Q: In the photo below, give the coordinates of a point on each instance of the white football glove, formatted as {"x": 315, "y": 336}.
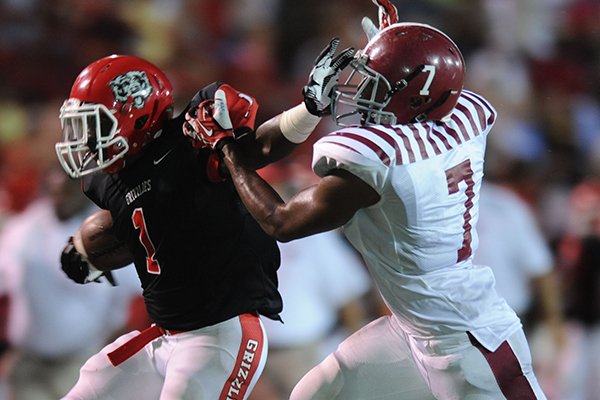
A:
{"x": 324, "y": 76}
{"x": 369, "y": 27}
{"x": 387, "y": 15}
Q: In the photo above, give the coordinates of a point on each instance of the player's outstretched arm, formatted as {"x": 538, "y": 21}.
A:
{"x": 220, "y": 118}
{"x": 319, "y": 208}
{"x": 281, "y": 134}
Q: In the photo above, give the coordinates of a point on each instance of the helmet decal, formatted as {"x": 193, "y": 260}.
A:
{"x": 134, "y": 84}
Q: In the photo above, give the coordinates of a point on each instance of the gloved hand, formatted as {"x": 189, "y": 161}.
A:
{"x": 387, "y": 15}
{"x": 369, "y": 28}
{"x": 77, "y": 268}
{"x": 324, "y": 76}
{"x": 230, "y": 114}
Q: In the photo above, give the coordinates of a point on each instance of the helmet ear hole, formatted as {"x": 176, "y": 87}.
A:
{"x": 141, "y": 121}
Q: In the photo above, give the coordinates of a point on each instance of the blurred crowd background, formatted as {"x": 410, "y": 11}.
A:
{"x": 537, "y": 61}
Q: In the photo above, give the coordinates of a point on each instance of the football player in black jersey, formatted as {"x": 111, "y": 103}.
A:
{"x": 206, "y": 267}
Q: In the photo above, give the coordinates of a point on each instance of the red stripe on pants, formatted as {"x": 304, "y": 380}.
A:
{"x": 247, "y": 361}
{"x": 507, "y": 370}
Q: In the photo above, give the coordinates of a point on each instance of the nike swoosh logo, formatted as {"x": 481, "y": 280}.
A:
{"x": 158, "y": 160}
{"x": 249, "y": 100}
{"x": 246, "y": 97}
{"x": 208, "y": 132}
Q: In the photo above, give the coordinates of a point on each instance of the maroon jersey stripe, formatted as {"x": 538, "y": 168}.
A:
{"x": 453, "y": 132}
{"x": 422, "y": 149}
{"x": 436, "y": 148}
{"x": 479, "y": 110}
{"x": 248, "y": 359}
{"x": 443, "y": 138}
{"x": 4, "y": 310}
{"x": 492, "y": 116}
{"x": 459, "y": 121}
{"x": 507, "y": 370}
{"x": 342, "y": 145}
{"x": 469, "y": 115}
{"x": 383, "y": 156}
{"x": 407, "y": 145}
{"x": 388, "y": 138}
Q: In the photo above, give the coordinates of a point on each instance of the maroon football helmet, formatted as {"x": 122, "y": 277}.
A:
{"x": 408, "y": 72}
{"x": 117, "y": 105}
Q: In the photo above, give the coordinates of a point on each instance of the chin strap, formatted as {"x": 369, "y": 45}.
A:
{"x": 403, "y": 83}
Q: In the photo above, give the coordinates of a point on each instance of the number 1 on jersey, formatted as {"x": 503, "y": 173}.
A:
{"x": 455, "y": 175}
{"x": 139, "y": 222}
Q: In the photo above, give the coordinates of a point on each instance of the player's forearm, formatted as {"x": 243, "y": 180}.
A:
{"x": 272, "y": 145}
{"x": 259, "y": 197}
{"x": 293, "y": 126}
{"x": 317, "y": 208}
{"x": 277, "y": 137}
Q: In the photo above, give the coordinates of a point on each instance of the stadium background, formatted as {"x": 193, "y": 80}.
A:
{"x": 538, "y": 61}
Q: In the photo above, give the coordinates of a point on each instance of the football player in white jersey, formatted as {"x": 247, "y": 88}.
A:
{"x": 403, "y": 182}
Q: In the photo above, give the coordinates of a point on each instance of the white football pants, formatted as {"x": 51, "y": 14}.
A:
{"x": 380, "y": 362}
{"x": 223, "y": 362}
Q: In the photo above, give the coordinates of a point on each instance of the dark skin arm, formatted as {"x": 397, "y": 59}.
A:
{"x": 270, "y": 144}
{"x": 319, "y": 208}
{"x": 266, "y": 146}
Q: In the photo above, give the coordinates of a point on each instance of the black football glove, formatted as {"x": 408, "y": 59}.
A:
{"x": 324, "y": 76}
{"x": 78, "y": 269}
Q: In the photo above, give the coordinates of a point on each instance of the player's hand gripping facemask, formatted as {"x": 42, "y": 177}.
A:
{"x": 230, "y": 114}
{"x": 324, "y": 76}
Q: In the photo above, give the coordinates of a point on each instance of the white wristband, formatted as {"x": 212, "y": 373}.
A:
{"x": 296, "y": 124}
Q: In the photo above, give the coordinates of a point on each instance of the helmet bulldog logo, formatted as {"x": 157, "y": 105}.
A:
{"x": 134, "y": 84}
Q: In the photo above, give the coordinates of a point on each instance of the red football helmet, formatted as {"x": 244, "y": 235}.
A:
{"x": 408, "y": 72}
{"x": 117, "y": 105}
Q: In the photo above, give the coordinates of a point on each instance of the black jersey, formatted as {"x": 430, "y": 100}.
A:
{"x": 200, "y": 256}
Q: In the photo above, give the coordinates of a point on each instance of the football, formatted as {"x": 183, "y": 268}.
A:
{"x": 96, "y": 241}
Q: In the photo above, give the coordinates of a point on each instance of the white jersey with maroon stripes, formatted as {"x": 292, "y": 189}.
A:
{"x": 418, "y": 240}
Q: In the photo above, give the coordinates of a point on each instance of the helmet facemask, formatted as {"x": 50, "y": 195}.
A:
{"x": 361, "y": 99}
{"x": 90, "y": 140}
